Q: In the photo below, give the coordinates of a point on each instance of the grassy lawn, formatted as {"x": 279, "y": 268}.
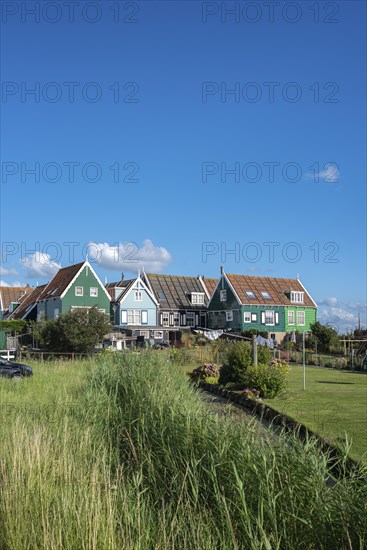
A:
{"x": 120, "y": 452}
{"x": 334, "y": 405}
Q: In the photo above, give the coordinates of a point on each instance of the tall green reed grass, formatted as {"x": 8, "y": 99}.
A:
{"x": 141, "y": 463}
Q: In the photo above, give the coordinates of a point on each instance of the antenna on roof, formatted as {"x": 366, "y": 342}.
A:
{"x": 298, "y": 276}
{"x": 86, "y": 257}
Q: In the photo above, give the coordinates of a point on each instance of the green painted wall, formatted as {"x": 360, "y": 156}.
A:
{"x": 278, "y": 327}
{"x": 86, "y": 279}
{"x": 310, "y": 317}
{"x": 231, "y": 303}
{"x": 217, "y": 314}
{"x": 3, "y": 339}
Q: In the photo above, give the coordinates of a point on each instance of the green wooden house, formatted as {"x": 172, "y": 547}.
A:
{"x": 276, "y": 305}
{"x": 75, "y": 286}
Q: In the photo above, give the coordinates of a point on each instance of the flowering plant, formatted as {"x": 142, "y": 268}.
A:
{"x": 252, "y": 394}
{"x": 281, "y": 365}
{"x": 208, "y": 370}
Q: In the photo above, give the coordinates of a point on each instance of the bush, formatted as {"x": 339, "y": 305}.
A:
{"x": 341, "y": 363}
{"x": 269, "y": 379}
{"x": 208, "y": 370}
{"x": 239, "y": 359}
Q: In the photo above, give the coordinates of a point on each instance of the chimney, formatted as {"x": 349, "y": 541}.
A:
{"x": 122, "y": 277}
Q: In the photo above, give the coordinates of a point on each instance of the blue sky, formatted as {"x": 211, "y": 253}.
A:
{"x": 151, "y": 95}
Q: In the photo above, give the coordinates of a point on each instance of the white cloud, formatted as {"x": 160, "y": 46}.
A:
{"x": 329, "y": 174}
{"x": 338, "y": 317}
{"x": 360, "y": 306}
{"x": 14, "y": 283}
{"x": 129, "y": 256}
{"x": 4, "y": 271}
{"x": 40, "y": 265}
{"x": 328, "y": 301}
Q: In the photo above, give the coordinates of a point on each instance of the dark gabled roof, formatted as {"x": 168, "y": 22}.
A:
{"x": 27, "y": 302}
{"x": 174, "y": 291}
{"x": 278, "y": 289}
{"x": 210, "y": 285}
{"x": 125, "y": 285}
{"x": 11, "y": 294}
{"x": 60, "y": 281}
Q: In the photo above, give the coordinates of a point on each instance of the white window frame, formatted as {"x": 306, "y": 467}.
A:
{"x": 144, "y": 333}
{"x": 79, "y": 288}
{"x": 247, "y": 316}
{"x": 223, "y": 295}
{"x": 158, "y": 334}
{"x": 297, "y": 297}
{"x": 176, "y": 319}
{"x": 269, "y": 313}
{"x": 229, "y": 315}
{"x": 291, "y": 313}
{"x": 134, "y": 317}
{"x": 190, "y": 319}
{"x": 303, "y": 313}
{"x": 95, "y": 291}
{"x": 253, "y": 317}
{"x": 165, "y": 319}
{"x": 197, "y": 298}
{"x": 138, "y": 296}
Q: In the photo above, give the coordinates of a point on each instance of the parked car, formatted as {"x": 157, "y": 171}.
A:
{"x": 9, "y": 369}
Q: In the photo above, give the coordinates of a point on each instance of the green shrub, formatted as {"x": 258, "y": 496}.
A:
{"x": 269, "y": 379}
{"x": 239, "y": 359}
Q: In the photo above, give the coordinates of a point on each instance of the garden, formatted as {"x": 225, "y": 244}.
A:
{"x": 333, "y": 404}
{"x": 120, "y": 451}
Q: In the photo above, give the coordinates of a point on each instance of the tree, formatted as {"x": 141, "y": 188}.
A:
{"x": 78, "y": 330}
{"x": 13, "y": 325}
{"x": 326, "y": 337}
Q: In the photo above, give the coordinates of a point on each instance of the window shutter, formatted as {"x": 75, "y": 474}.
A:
{"x": 161, "y": 319}
{"x": 183, "y": 320}
{"x": 124, "y": 317}
{"x": 276, "y": 317}
{"x": 197, "y": 320}
{"x": 144, "y": 317}
{"x": 263, "y": 317}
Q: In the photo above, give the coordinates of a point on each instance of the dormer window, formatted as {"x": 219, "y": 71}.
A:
{"x": 197, "y": 298}
{"x": 297, "y": 297}
{"x": 266, "y": 295}
{"x": 250, "y": 295}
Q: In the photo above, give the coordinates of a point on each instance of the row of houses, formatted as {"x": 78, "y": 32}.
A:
{"x": 159, "y": 307}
